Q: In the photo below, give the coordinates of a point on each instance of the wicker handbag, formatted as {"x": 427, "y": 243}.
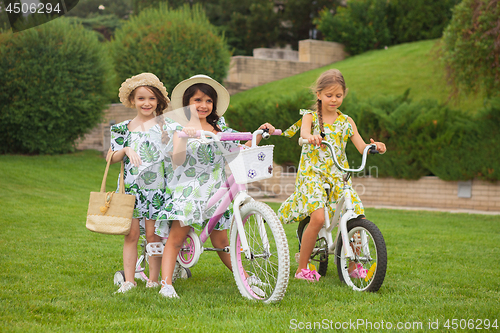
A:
{"x": 109, "y": 212}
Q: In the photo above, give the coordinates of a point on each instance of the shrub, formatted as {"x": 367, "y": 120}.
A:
{"x": 53, "y": 87}
{"x": 471, "y": 49}
{"x": 410, "y": 21}
{"x": 422, "y": 137}
{"x": 361, "y": 26}
{"x": 173, "y": 44}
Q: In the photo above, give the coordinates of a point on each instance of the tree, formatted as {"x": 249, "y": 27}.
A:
{"x": 173, "y": 44}
{"x": 471, "y": 46}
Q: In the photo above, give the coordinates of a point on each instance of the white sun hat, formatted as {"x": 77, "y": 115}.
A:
{"x": 222, "y": 94}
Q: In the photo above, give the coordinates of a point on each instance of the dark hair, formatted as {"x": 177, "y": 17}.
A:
{"x": 208, "y": 90}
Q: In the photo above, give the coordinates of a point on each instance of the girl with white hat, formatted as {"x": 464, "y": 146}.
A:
{"x": 199, "y": 172}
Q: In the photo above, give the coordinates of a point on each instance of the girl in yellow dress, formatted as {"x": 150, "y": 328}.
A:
{"x": 315, "y": 167}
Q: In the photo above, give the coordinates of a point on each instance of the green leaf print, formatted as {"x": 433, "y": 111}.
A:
{"x": 187, "y": 191}
{"x": 203, "y": 178}
{"x": 188, "y": 208}
{"x": 169, "y": 207}
{"x": 148, "y": 152}
{"x": 205, "y": 154}
{"x": 158, "y": 201}
{"x": 196, "y": 215}
{"x": 196, "y": 193}
{"x": 148, "y": 177}
{"x": 216, "y": 173}
{"x": 119, "y": 141}
{"x": 192, "y": 160}
{"x": 169, "y": 172}
{"x": 191, "y": 172}
{"x": 120, "y": 129}
{"x": 179, "y": 188}
{"x": 134, "y": 170}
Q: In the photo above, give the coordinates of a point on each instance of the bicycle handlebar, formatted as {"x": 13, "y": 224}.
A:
{"x": 371, "y": 148}
{"x": 231, "y": 136}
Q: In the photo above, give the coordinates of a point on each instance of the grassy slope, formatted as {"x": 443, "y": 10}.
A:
{"x": 381, "y": 72}
{"x": 56, "y": 276}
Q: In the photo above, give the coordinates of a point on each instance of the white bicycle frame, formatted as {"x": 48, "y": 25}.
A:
{"x": 344, "y": 211}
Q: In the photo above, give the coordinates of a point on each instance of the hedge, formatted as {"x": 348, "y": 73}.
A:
{"x": 173, "y": 44}
{"x": 54, "y": 85}
{"x": 422, "y": 137}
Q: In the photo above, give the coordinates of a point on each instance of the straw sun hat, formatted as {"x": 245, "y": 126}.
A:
{"x": 143, "y": 79}
{"x": 222, "y": 94}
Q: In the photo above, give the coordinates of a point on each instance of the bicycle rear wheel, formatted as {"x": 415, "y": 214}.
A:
{"x": 368, "y": 245}
{"x": 263, "y": 276}
{"x": 320, "y": 251}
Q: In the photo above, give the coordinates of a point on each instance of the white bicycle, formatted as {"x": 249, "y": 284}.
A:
{"x": 357, "y": 240}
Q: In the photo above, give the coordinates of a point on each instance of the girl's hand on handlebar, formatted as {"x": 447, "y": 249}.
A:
{"x": 315, "y": 140}
{"x": 380, "y": 146}
{"x": 268, "y": 126}
{"x": 191, "y": 131}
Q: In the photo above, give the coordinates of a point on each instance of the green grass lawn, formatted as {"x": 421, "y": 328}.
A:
{"x": 56, "y": 276}
{"x": 379, "y": 73}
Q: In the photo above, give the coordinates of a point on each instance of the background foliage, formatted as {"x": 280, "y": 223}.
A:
{"x": 471, "y": 46}
{"x": 173, "y": 44}
{"x": 423, "y": 137}
{"x": 360, "y": 26}
{"x": 373, "y": 24}
{"x": 54, "y": 84}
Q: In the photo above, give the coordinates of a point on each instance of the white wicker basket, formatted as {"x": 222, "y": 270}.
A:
{"x": 252, "y": 164}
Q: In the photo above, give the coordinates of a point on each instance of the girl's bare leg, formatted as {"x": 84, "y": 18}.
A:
{"x": 154, "y": 262}
{"x": 219, "y": 240}
{"x": 176, "y": 238}
{"x": 130, "y": 251}
{"x": 309, "y": 237}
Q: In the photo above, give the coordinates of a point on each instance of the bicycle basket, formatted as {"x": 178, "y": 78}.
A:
{"x": 251, "y": 164}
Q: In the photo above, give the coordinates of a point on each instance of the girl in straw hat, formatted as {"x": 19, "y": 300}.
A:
{"x": 137, "y": 142}
{"x": 199, "y": 172}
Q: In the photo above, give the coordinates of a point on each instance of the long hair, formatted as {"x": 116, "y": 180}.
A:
{"x": 212, "y": 118}
{"x": 331, "y": 77}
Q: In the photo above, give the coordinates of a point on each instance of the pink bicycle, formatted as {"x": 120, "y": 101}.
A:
{"x": 258, "y": 244}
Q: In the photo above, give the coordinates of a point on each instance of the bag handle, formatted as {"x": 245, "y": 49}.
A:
{"x": 121, "y": 186}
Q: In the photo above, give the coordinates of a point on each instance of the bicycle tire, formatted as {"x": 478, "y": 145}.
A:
{"x": 271, "y": 266}
{"x": 320, "y": 251}
{"x": 372, "y": 255}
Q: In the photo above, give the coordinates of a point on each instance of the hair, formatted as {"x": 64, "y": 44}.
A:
{"x": 161, "y": 105}
{"x": 208, "y": 90}
{"x": 328, "y": 79}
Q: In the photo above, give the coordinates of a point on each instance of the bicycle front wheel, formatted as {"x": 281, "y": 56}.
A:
{"x": 264, "y": 275}
{"x": 367, "y": 271}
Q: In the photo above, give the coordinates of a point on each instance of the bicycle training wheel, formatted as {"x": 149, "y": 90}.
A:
{"x": 142, "y": 265}
{"x": 367, "y": 271}
{"x": 263, "y": 276}
{"x": 320, "y": 251}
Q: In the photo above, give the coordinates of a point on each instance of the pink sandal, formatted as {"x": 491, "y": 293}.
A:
{"x": 359, "y": 272}
{"x": 308, "y": 275}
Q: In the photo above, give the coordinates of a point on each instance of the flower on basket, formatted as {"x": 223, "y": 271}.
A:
{"x": 261, "y": 156}
{"x": 252, "y": 173}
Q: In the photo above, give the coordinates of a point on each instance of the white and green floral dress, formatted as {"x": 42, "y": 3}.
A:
{"x": 316, "y": 167}
{"x": 146, "y": 182}
{"x": 192, "y": 184}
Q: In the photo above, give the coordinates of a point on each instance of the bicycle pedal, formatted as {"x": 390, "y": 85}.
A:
{"x": 155, "y": 249}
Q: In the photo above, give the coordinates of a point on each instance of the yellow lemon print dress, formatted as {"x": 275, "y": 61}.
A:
{"x": 316, "y": 167}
